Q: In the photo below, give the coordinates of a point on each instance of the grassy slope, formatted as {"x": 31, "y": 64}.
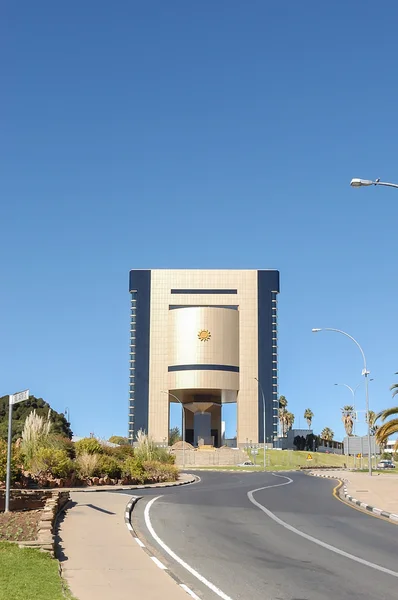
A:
{"x": 28, "y": 574}
{"x": 290, "y": 459}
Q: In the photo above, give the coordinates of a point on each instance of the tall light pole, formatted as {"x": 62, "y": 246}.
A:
{"x": 183, "y": 425}
{"x": 367, "y": 182}
{"x": 365, "y": 372}
{"x": 262, "y": 394}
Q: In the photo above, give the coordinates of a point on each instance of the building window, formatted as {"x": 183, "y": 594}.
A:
{"x": 133, "y": 319}
{"x": 196, "y": 291}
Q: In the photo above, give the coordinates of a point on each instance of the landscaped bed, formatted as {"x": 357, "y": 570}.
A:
{"x": 28, "y": 574}
{"x": 19, "y": 526}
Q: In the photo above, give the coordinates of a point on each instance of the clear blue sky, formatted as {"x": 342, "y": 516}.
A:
{"x": 184, "y": 134}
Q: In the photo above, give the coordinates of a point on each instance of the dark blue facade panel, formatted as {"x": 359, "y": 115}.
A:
{"x": 267, "y": 283}
{"x": 140, "y": 281}
{"x": 230, "y": 368}
{"x": 202, "y": 291}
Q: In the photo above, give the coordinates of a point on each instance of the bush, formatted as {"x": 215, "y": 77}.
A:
{"x": 109, "y": 466}
{"x": 35, "y": 434}
{"x": 88, "y": 465}
{"x": 118, "y": 439}
{"x": 120, "y": 452}
{"x": 52, "y": 461}
{"x": 15, "y": 459}
{"x": 158, "y": 472}
{"x": 147, "y": 450}
{"x": 59, "y": 442}
{"x": 88, "y": 446}
{"x": 163, "y": 455}
{"x": 134, "y": 469}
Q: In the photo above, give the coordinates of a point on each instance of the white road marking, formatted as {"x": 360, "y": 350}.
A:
{"x": 188, "y": 591}
{"x": 173, "y": 555}
{"x": 139, "y": 542}
{"x": 158, "y": 563}
{"x": 129, "y": 527}
{"x": 310, "y": 537}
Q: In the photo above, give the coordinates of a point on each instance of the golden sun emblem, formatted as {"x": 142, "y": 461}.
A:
{"x": 204, "y": 335}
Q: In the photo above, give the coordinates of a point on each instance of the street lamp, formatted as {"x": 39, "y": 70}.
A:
{"x": 183, "y": 425}
{"x": 365, "y": 372}
{"x": 262, "y": 394}
{"x": 367, "y": 182}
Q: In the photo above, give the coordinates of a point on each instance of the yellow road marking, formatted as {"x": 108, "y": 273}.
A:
{"x": 362, "y": 510}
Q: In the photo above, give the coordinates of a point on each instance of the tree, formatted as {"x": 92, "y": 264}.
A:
{"x": 282, "y": 412}
{"x": 348, "y": 413}
{"x": 311, "y": 442}
{"x": 390, "y": 427}
{"x": 327, "y": 434}
{"x": 308, "y": 416}
{"x": 372, "y": 422}
{"x": 60, "y": 425}
{"x": 174, "y": 435}
{"x": 289, "y": 420}
{"x": 119, "y": 440}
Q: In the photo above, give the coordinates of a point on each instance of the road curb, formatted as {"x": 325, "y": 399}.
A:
{"x": 367, "y": 507}
{"x": 120, "y": 488}
{"x": 127, "y": 519}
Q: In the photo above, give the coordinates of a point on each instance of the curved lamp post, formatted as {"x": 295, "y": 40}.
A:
{"x": 262, "y": 394}
{"x": 183, "y": 425}
{"x": 365, "y": 372}
{"x": 367, "y": 182}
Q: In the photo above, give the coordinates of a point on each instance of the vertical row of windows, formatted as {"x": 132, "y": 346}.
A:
{"x": 133, "y": 323}
{"x": 274, "y": 329}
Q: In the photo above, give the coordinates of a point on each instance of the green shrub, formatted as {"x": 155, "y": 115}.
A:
{"x": 88, "y": 465}
{"x": 88, "y": 446}
{"x": 147, "y": 450}
{"x": 60, "y": 442}
{"x": 35, "y": 435}
{"x": 158, "y": 472}
{"x": 120, "y": 452}
{"x": 15, "y": 460}
{"x": 163, "y": 455}
{"x": 110, "y": 466}
{"x": 118, "y": 439}
{"x": 134, "y": 469}
{"x": 53, "y": 461}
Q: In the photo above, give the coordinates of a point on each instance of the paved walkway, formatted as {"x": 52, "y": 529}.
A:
{"x": 380, "y": 491}
{"x": 99, "y": 557}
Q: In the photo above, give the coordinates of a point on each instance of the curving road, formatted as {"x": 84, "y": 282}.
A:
{"x": 289, "y": 540}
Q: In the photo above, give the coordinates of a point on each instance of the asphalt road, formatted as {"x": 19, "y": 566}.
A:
{"x": 248, "y": 554}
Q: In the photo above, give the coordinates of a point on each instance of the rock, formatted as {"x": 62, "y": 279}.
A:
{"x": 95, "y": 480}
{"x": 101, "y": 481}
{"x": 107, "y": 480}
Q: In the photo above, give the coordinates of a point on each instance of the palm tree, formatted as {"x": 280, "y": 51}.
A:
{"x": 308, "y": 416}
{"x": 327, "y": 434}
{"x": 348, "y": 412}
{"x": 289, "y": 420}
{"x": 372, "y": 422}
{"x": 384, "y": 431}
{"x": 282, "y": 414}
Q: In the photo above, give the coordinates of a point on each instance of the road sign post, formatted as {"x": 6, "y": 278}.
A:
{"x": 13, "y": 399}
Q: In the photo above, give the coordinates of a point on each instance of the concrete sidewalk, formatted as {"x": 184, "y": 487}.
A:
{"x": 380, "y": 490}
{"x": 99, "y": 557}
